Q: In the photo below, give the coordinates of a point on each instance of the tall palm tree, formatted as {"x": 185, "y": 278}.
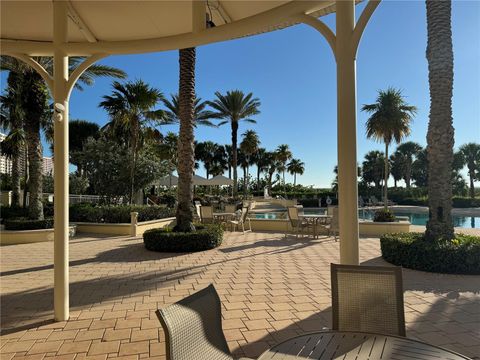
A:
{"x": 210, "y": 154}
{"x": 186, "y": 140}
{"x": 273, "y": 165}
{"x": 242, "y": 159}
{"x": 234, "y": 107}
{"x": 294, "y": 167}
{"x": 37, "y": 113}
{"x": 440, "y": 133}
{"x": 283, "y": 155}
{"x": 201, "y": 115}
{"x": 131, "y": 110}
{"x": 249, "y": 146}
{"x": 79, "y": 132}
{"x": 389, "y": 121}
{"x": 12, "y": 118}
{"x": 261, "y": 159}
{"x": 471, "y": 156}
{"x": 408, "y": 151}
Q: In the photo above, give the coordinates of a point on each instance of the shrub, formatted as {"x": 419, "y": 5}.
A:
{"x": 11, "y": 212}
{"x": 168, "y": 199}
{"x": 26, "y": 224}
{"x": 116, "y": 214}
{"x": 464, "y": 202}
{"x": 411, "y": 250}
{"x": 205, "y": 237}
{"x": 383, "y": 215}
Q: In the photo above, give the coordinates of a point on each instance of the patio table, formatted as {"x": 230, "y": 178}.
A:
{"x": 356, "y": 345}
{"x": 223, "y": 216}
{"x": 315, "y": 219}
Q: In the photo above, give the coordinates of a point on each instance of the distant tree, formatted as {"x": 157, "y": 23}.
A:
{"x": 167, "y": 150}
{"x": 283, "y": 155}
{"x": 234, "y": 107}
{"x": 211, "y": 154}
{"x": 131, "y": 110}
{"x": 420, "y": 169}
{"x": 201, "y": 115}
{"x": 249, "y": 146}
{"x": 408, "y": 151}
{"x": 373, "y": 167}
{"x": 261, "y": 159}
{"x": 79, "y": 132}
{"x": 397, "y": 167}
{"x": 389, "y": 121}
{"x": 471, "y": 157}
{"x": 294, "y": 167}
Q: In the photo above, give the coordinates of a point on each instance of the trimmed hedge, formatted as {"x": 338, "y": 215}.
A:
{"x": 205, "y": 237}
{"x": 26, "y": 224}
{"x": 458, "y": 256}
{"x": 116, "y": 214}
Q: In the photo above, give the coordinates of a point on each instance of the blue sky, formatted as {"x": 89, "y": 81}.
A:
{"x": 292, "y": 71}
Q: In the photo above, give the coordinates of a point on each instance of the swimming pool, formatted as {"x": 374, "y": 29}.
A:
{"x": 414, "y": 218}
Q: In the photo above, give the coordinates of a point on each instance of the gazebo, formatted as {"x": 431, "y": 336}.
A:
{"x": 97, "y": 29}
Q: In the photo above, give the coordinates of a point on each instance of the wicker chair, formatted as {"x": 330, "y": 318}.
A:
{"x": 299, "y": 225}
{"x": 368, "y": 298}
{"x": 206, "y": 214}
{"x": 242, "y": 220}
{"x": 193, "y": 328}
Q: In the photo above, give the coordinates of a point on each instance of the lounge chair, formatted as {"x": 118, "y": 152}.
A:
{"x": 241, "y": 221}
{"x": 368, "y": 299}
{"x": 299, "y": 224}
{"x": 193, "y": 328}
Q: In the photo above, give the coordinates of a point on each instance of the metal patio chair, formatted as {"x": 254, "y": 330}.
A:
{"x": 368, "y": 298}
{"x": 298, "y": 224}
{"x": 242, "y": 220}
{"x": 193, "y": 328}
{"x": 206, "y": 215}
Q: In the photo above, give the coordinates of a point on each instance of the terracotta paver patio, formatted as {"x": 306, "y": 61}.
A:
{"x": 271, "y": 287}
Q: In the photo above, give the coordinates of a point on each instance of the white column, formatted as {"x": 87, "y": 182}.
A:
{"x": 346, "y": 132}
{"x": 60, "y": 73}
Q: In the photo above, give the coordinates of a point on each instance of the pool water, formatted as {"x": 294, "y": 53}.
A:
{"x": 415, "y": 218}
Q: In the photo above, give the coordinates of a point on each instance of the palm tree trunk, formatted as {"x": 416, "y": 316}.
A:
{"x": 186, "y": 158}
{"x": 35, "y": 158}
{"x": 385, "y": 185}
{"x": 234, "y": 156}
{"x": 258, "y": 177}
{"x": 245, "y": 174}
{"x": 16, "y": 179}
{"x": 25, "y": 176}
{"x": 134, "y": 160}
{"x": 408, "y": 174}
{"x": 294, "y": 180}
{"x": 440, "y": 135}
{"x": 472, "y": 186}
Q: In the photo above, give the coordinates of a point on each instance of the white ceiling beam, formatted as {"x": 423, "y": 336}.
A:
{"x": 77, "y": 20}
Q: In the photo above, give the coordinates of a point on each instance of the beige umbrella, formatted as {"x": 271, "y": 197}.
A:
{"x": 170, "y": 180}
{"x": 198, "y": 180}
{"x": 220, "y": 180}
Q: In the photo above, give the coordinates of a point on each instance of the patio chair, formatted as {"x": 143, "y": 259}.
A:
{"x": 332, "y": 225}
{"x": 206, "y": 215}
{"x": 230, "y": 208}
{"x": 298, "y": 224}
{"x": 241, "y": 221}
{"x": 368, "y": 298}
{"x": 193, "y": 328}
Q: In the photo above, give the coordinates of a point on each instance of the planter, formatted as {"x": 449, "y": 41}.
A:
{"x": 128, "y": 229}
{"x": 12, "y": 237}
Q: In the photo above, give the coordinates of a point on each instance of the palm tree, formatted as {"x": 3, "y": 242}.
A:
{"x": 373, "y": 167}
{"x": 186, "y": 140}
{"x": 249, "y": 146}
{"x": 209, "y": 153}
{"x": 11, "y": 118}
{"x": 234, "y": 107}
{"x": 273, "y": 165}
{"x": 201, "y": 115}
{"x": 294, "y": 167}
{"x": 440, "y": 134}
{"x": 131, "y": 110}
{"x": 228, "y": 149}
{"x": 37, "y": 113}
{"x": 261, "y": 159}
{"x": 471, "y": 155}
{"x": 420, "y": 169}
{"x": 283, "y": 155}
{"x": 408, "y": 151}
{"x": 397, "y": 167}
{"x": 243, "y": 162}
{"x": 167, "y": 150}
{"x": 389, "y": 121}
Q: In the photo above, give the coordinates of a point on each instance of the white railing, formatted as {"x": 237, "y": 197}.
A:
{"x": 75, "y": 199}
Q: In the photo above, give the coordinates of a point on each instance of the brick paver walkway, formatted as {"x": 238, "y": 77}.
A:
{"x": 271, "y": 288}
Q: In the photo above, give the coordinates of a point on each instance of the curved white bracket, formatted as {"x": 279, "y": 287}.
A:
{"x": 37, "y": 67}
{"x": 321, "y": 27}
{"x": 75, "y": 75}
{"x": 362, "y": 23}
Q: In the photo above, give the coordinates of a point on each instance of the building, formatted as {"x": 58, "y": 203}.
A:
{"x": 5, "y": 163}
{"x": 47, "y": 166}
